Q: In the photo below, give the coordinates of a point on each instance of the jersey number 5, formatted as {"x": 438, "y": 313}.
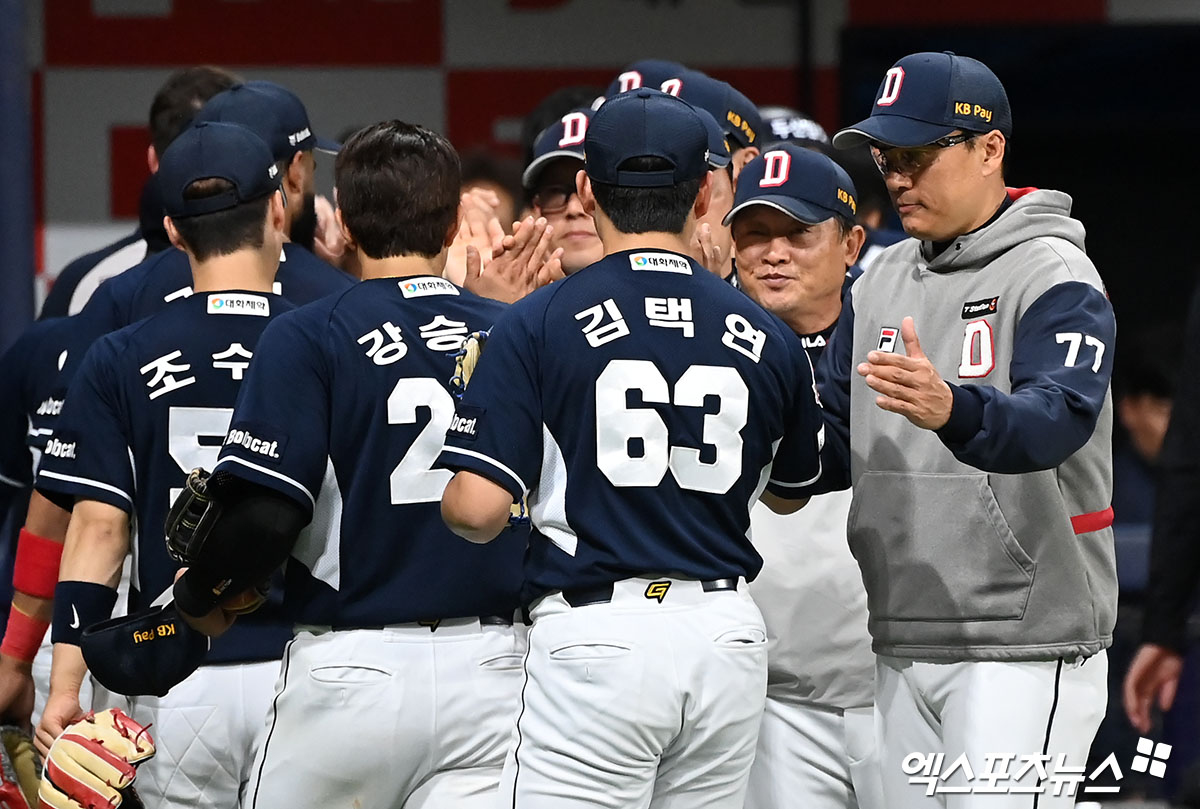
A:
{"x": 632, "y": 444}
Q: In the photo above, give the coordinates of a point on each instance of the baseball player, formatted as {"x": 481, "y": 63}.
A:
{"x": 795, "y": 242}
{"x": 549, "y": 179}
{"x": 640, "y": 441}
{"x": 143, "y": 410}
{"x": 404, "y": 670}
{"x": 184, "y": 92}
{"x": 980, "y": 453}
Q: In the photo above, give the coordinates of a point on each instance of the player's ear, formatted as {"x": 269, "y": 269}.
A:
{"x": 345, "y": 231}
{"x": 583, "y": 186}
{"x": 293, "y": 178}
{"x": 853, "y": 243}
{"x": 704, "y": 196}
{"x": 741, "y": 158}
{"x": 152, "y": 159}
{"x": 993, "y": 147}
{"x": 275, "y": 214}
{"x": 173, "y": 234}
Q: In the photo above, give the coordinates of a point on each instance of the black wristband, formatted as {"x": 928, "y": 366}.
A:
{"x": 78, "y": 605}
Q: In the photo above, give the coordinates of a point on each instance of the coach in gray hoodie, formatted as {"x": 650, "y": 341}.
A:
{"x": 979, "y": 454}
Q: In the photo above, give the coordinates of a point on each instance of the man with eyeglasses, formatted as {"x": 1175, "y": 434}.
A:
{"x": 550, "y": 180}
{"x": 980, "y": 455}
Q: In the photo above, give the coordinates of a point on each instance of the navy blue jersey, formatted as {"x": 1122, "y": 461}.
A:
{"x": 358, "y": 385}
{"x": 145, "y": 289}
{"x": 74, "y": 285}
{"x": 639, "y": 405}
{"x": 151, "y": 402}
{"x": 31, "y": 369}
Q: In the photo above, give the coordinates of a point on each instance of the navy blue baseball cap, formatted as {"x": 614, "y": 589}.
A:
{"x": 926, "y": 96}
{"x": 214, "y": 150}
{"x": 145, "y": 653}
{"x": 646, "y": 123}
{"x": 273, "y": 112}
{"x": 652, "y": 73}
{"x": 563, "y": 138}
{"x": 735, "y": 114}
{"x": 719, "y": 153}
{"x": 804, "y": 184}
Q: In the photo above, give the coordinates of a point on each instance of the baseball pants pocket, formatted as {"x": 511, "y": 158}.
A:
{"x": 598, "y": 650}
{"x": 350, "y": 675}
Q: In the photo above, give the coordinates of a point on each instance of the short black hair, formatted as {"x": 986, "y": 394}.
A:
{"x": 482, "y": 165}
{"x": 647, "y": 210}
{"x": 398, "y": 187}
{"x": 181, "y": 97}
{"x": 222, "y": 232}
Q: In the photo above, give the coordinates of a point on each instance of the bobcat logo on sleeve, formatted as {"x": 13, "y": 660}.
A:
{"x": 257, "y": 439}
{"x": 465, "y": 423}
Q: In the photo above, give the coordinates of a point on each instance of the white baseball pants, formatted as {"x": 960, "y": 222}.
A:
{"x": 982, "y": 709}
{"x": 817, "y": 757}
{"x": 389, "y": 718}
{"x": 636, "y": 703}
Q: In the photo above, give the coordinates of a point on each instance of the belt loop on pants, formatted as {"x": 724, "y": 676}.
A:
{"x": 603, "y": 594}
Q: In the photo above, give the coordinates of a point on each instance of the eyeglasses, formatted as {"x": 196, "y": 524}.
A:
{"x": 554, "y": 198}
{"x": 913, "y": 159}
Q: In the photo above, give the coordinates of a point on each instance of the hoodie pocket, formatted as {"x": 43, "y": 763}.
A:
{"x": 937, "y": 548}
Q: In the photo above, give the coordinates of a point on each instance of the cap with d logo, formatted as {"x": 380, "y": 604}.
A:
{"x": 804, "y": 184}
{"x": 926, "y": 96}
{"x": 735, "y": 113}
{"x": 271, "y": 111}
{"x": 653, "y": 73}
{"x": 563, "y": 138}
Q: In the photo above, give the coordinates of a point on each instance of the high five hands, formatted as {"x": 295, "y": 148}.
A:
{"x": 908, "y": 383}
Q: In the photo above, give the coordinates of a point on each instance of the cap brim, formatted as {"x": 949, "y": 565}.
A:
{"x": 893, "y": 130}
{"x": 538, "y": 163}
{"x": 802, "y": 211}
{"x": 321, "y": 144}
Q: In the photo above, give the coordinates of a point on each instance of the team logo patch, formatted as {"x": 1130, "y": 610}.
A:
{"x": 235, "y": 303}
{"x": 887, "y": 338}
{"x": 660, "y": 262}
{"x": 424, "y": 287}
{"x": 981, "y": 308}
{"x": 657, "y": 590}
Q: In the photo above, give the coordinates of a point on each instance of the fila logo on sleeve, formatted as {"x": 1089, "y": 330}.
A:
{"x": 574, "y": 129}
{"x": 779, "y": 164}
{"x": 887, "y": 338}
{"x": 892, "y": 81}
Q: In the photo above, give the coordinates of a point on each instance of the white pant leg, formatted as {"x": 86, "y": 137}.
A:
{"x": 801, "y": 760}
{"x": 636, "y": 703}
{"x": 388, "y": 719}
{"x": 904, "y": 725}
{"x": 204, "y": 730}
{"x": 862, "y": 751}
{"x": 1023, "y": 708}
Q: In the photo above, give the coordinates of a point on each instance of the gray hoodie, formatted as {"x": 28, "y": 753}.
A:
{"x": 988, "y": 539}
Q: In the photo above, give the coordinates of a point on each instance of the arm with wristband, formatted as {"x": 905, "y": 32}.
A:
{"x": 35, "y": 574}
{"x": 97, "y": 542}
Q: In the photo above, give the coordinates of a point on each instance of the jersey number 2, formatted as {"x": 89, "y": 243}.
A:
{"x": 414, "y": 480}
{"x": 632, "y": 444}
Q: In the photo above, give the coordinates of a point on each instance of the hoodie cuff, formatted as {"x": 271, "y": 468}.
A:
{"x": 966, "y": 417}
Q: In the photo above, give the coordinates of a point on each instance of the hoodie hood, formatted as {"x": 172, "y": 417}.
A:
{"x": 1034, "y": 213}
